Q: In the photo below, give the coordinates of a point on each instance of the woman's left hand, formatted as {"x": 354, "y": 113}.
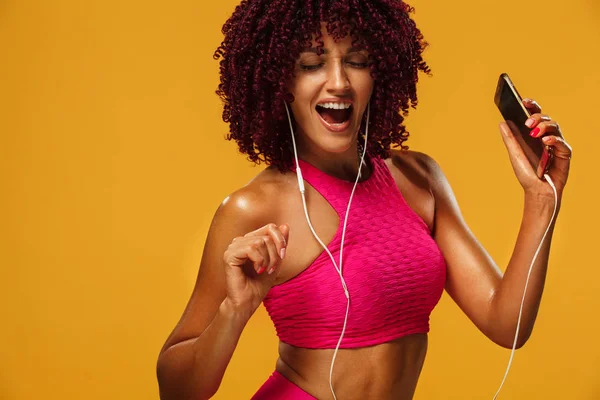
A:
{"x": 548, "y": 131}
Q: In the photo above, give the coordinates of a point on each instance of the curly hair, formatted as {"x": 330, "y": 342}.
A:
{"x": 263, "y": 39}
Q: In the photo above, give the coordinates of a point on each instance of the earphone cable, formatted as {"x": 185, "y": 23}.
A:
{"x": 338, "y": 269}
{"x": 512, "y": 353}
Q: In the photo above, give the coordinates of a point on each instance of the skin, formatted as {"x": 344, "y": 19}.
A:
{"x": 259, "y": 237}
{"x": 342, "y": 73}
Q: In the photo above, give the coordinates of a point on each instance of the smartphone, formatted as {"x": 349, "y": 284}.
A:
{"x": 511, "y": 106}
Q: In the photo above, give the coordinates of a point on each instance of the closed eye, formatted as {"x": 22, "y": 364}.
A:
{"x": 358, "y": 64}
{"x": 310, "y": 67}
{"x": 314, "y": 67}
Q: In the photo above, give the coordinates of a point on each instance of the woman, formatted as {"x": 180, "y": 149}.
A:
{"x": 333, "y": 80}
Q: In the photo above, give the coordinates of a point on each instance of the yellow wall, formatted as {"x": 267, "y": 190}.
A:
{"x": 112, "y": 162}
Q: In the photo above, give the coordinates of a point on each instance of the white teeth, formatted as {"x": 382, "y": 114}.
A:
{"x": 335, "y": 106}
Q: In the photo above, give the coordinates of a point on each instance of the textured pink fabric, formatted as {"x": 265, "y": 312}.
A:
{"x": 393, "y": 268}
{"x": 279, "y": 387}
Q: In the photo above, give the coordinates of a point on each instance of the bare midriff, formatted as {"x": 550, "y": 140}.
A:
{"x": 386, "y": 371}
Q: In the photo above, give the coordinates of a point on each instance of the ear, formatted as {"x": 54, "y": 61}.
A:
{"x": 289, "y": 98}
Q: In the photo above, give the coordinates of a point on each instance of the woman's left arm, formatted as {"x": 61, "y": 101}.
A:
{"x": 489, "y": 298}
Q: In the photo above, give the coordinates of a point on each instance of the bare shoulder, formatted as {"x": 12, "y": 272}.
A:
{"x": 415, "y": 165}
{"x": 259, "y": 202}
{"x": 416, "y": 175}
{"x": 424, "y": 172}
{"x": 252, "y": 206}
{"x": 416, "y": 168}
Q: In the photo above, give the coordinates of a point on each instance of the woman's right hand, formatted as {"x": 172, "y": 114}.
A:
{"x": 252, "y": 263}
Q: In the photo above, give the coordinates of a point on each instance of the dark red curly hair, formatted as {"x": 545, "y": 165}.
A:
{"x": 263, "y": 39}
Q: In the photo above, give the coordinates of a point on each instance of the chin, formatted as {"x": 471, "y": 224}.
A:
{"x": 336, "y": 143}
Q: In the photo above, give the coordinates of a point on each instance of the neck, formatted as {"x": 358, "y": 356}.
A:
{"x": 342, "y": 165}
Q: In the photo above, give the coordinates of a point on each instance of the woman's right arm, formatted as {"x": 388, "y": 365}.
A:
{"x": 232, "y": 281}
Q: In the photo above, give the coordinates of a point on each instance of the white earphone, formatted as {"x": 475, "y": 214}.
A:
{"x": 338, "y": 269}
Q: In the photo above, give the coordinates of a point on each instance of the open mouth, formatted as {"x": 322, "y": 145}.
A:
{"x": 335, "y": 114}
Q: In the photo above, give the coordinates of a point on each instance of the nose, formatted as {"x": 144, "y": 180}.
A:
{"x": 337, "y": 81}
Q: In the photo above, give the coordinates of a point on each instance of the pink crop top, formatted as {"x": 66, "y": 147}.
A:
{"x": 394, "y": 270}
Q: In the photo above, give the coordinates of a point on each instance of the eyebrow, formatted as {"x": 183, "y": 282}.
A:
{"x": 353, "y": 49}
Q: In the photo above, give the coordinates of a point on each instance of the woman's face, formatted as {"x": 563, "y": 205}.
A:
{"x": 331, "y": 93}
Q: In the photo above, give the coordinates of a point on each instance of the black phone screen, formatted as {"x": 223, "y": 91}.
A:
{"x": 511, "y": 107}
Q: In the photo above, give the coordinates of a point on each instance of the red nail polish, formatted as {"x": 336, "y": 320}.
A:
{"x": 534, "y": 132}
{"x": 261, "y": 270}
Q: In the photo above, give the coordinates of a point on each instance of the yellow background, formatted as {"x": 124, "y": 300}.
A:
{"x": 112, "y": 162}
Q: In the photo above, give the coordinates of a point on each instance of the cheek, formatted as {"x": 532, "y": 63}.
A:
{"x": 304, "y": 91}
{"x": 364, "y": 85}
{"x": 306, "y": 86}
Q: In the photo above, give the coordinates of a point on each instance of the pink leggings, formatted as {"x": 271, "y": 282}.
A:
{"x": 279, "y": 387}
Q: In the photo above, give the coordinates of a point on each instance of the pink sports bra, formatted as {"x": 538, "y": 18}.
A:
{"x": 393, "y": 268}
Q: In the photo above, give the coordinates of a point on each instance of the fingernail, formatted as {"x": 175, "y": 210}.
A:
{"x": 261, "y": 270}
{"x": 546, "y": 139}
{"x": 530, "y": 122}
{"x": 282, "y": 253}
{"x": 271, "y": 270}
{"x": 534, "y": 132}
